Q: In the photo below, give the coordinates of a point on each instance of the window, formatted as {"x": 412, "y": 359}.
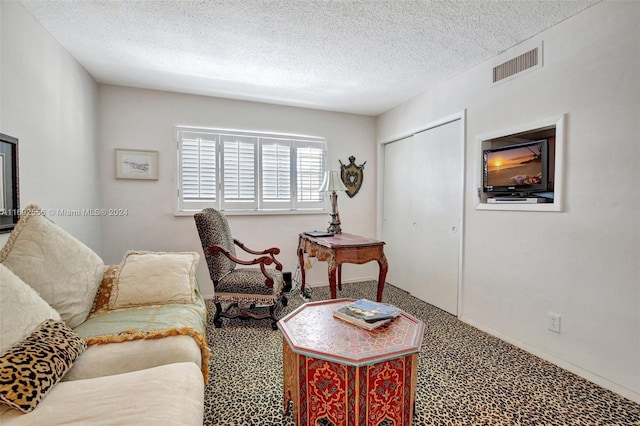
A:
{"x": 245, "y": 171}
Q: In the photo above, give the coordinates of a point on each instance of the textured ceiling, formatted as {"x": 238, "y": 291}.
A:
{"x": 360, "y": 56}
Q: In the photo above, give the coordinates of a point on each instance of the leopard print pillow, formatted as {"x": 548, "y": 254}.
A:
{"x": 31, "y": 367}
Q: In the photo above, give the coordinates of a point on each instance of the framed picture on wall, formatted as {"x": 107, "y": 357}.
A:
{"x": 9, "y": 193}
{"x": 3, "y": 202}
{"x": 136, "y": 164}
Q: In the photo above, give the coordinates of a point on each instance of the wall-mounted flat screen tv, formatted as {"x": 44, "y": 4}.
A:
{"x": 519, "y": 168}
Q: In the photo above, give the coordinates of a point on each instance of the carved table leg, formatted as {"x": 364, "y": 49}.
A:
{"x": 382, "y": 276}
{"x": 303, "y": 277}
{"x": 332, "y": 275}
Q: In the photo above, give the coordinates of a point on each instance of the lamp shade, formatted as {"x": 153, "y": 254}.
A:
{"x": 332, "y": 182}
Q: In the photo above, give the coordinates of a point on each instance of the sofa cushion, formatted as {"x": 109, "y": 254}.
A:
{"x": 64, "y": 271}
{"x": 113, "y": 333}
{"x": 134, "y": 355}
{"x": 154, "y": 278}
{"x": 22, "y": 310}
{"x": 30, "y": 368}
{"x": 169, "y": 395}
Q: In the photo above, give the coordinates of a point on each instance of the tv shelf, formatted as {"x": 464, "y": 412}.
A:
{"x": 551, "y": 129}
{"x": 518, "y": 200}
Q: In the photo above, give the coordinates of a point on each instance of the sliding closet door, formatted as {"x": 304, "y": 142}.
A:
{"x": 396, "y": 207}
{"x": 438, "y": 209}
{"x": 422, "y": 208}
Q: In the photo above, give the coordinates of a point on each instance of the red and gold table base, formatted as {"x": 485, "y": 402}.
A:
{"x": 348, "y": 395}
{"x": 350, "y": 376}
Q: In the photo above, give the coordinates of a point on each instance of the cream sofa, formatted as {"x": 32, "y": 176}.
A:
{"x": 85, "y": 343}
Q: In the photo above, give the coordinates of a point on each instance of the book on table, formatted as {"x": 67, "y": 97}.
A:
{"x": 319, "y": 233}
{"x": 367, "y": 314}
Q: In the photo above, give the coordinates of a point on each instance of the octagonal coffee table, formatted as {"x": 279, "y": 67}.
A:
{"x": 351, "y": 376}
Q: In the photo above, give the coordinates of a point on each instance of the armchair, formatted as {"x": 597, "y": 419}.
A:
{"x": 241, "y": 289}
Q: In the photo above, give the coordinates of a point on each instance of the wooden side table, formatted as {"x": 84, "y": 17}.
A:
{"x": 339, "y": 249}
{"x": 346, "y": 374}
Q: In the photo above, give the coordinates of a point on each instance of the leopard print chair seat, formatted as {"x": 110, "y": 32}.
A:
{"x": 244, "y": 291}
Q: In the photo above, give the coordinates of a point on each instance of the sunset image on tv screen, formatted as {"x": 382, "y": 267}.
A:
{"x": 518, "y": 166}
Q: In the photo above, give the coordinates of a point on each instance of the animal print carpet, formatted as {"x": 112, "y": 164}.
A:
{"x": 465, "y": 376}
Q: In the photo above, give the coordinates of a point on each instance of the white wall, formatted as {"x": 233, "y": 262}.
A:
{"x": 49, "y": 102}
{"x": 146, "y": 119}
{"x": 582, "y": 263}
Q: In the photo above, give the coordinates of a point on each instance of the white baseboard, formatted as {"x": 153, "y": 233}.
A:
{"x": 585, "y": 374}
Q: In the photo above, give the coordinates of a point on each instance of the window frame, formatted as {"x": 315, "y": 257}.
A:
{"x": 258, "y": 205}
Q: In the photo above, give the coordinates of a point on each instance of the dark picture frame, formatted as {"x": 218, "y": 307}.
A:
{"x": 9, "y": 187}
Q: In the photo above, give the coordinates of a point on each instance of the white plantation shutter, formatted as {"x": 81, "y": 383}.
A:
{"x": 275, "y": 158}
{"x": 239, "y": 172}
{"x": 244, "y": 171}
{"x": 197, "y": 164}
{"x": 310, "y": 171}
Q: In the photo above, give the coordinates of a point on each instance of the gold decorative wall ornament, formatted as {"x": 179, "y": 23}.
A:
{"x": 352, "y": 175}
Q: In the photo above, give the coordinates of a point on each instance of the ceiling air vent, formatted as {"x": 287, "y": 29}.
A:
{"x": 528, "y": 61}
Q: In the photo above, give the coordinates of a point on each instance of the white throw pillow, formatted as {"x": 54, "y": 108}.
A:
{"x": 154, "y": 278}
{"x": 21, "y": 309}
{"x": 64, "y": 271}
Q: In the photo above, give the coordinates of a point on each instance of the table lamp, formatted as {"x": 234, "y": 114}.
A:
{"x": 332, "y": 183}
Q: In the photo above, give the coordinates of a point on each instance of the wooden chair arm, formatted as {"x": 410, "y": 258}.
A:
{"x": 270, "y": 251}
{"x": 262, "y": 260}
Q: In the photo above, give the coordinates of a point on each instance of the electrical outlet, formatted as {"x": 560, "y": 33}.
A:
{"x": 554, "y": 323}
